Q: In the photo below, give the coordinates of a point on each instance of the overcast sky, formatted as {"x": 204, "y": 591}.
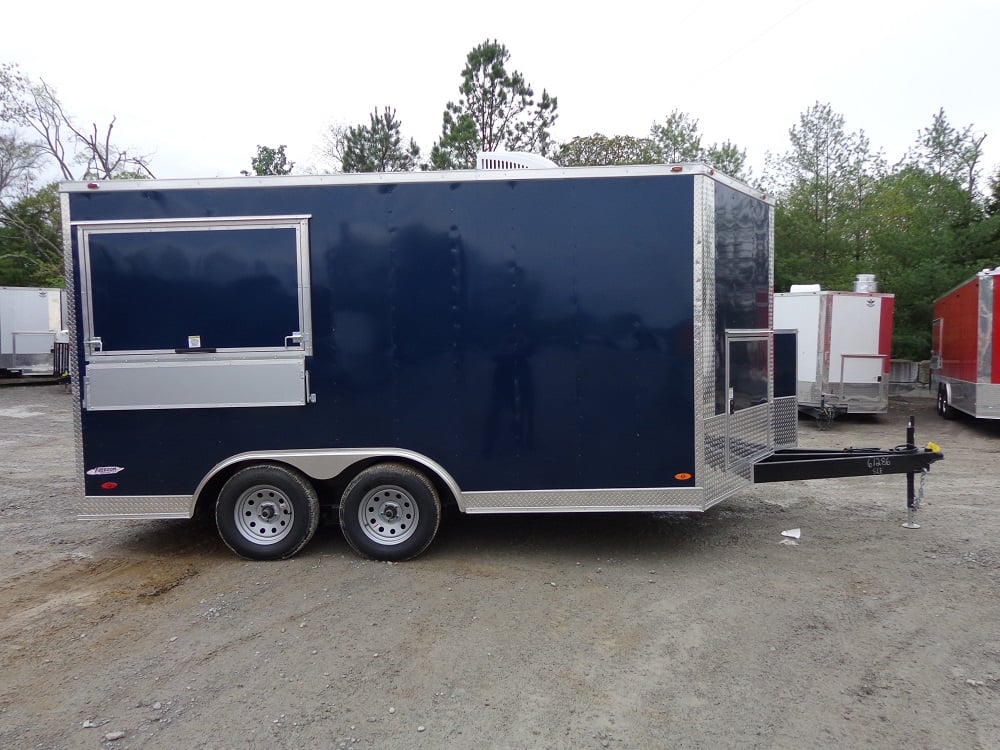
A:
{"x": 198, "y": 85}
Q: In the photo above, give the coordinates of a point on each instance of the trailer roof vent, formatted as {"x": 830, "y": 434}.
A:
{"x": 865, "y": 282}
{"x": 804, "y": 288}
{"x": 511, "y": 160}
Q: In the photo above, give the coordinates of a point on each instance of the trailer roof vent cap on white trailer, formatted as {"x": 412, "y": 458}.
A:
{"x": 511, "y": 160}
{"x": 805, "y": 288}
{"x": 865, "y": 282}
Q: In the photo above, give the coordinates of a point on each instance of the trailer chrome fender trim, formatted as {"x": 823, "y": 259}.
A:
{"x": 319, "y": 464}
{"x": 322, "y": 464}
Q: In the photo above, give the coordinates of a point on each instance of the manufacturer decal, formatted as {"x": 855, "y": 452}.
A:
{"x": 101, "y": 471}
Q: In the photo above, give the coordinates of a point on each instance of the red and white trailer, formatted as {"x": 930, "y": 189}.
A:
{"x": 844, "y": 346}
{"x": 965, "y": 352}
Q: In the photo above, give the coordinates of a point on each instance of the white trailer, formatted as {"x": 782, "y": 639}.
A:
{"x": 844, "y": 346}
{"x": 30, "y": 320}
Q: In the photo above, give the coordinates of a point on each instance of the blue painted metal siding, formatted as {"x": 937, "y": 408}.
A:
{"x": 525, "y": 334}
{"x": 785, "y": 363}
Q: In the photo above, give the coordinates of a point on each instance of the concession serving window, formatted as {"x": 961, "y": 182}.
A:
{"x": 195, "y": 313}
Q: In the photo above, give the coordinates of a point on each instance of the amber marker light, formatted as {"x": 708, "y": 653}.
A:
{"x": 682, "y": 477}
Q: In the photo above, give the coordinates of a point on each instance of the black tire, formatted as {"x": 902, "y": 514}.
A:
{"x": 390, "y": 512}
{"x": 267, "y": 512}
{"x": 944, "y": 408}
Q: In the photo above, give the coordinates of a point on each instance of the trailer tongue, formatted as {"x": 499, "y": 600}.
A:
{"x": 817, "y": 463}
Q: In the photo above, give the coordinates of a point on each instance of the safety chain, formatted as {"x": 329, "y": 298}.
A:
{"x": 920, "y": 490}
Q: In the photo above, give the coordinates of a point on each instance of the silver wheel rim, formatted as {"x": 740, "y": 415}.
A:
{"x": 264, "y": 514}
{"x": 388, "y": 515}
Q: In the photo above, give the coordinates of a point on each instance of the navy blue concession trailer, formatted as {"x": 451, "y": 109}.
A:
{"x": 500, "y": 341}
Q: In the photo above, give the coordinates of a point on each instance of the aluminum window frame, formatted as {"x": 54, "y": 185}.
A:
{"x": 298, "y": 223}
{"x": 744, "y": 336}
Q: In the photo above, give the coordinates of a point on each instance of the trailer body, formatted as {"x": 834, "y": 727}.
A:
{"x": 30, "y": 320}
{"x": 844, "y": 347}
{"x": 532, "y": 340}
{"x": 965, "y": 356}
{"x": 536, "y": 340}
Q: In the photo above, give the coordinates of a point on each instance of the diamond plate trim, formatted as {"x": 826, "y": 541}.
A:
{"x": 74, "y": 351}
{"x": 705, "y": 219}
{"x": 697, "y": 302}
{"x": 786, "y": 422}
{"x": 748, "y": 440}
{"x": 542, "y": 501}
{"x": 707, "y": 450}
{"x": 145, "y": 508}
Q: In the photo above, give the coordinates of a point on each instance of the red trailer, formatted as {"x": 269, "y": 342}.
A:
{"x": 965, "y": 353}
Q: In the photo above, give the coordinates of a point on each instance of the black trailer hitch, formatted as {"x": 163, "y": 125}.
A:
{"x": 818, "y": 463}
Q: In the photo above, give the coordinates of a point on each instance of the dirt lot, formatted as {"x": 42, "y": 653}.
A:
{"x": 624, "y": 631}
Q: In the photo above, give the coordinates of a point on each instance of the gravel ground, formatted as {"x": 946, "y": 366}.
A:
{"x": 615, "y": 631}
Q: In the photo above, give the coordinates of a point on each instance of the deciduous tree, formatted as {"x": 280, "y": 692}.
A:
{"x": 271, "y": 161}
{"x": 820, "y": 184}
{"x": 921, "y": 247}
{"x": 35, "y": 107}
{"x": 598, "y": 150}
{"x": 993, "y": 198}
{"x": 841, "y": 211}
{"x": 31, "y": 240}
{"x": 18, "y": 161}
{"x": 950, "y": 152}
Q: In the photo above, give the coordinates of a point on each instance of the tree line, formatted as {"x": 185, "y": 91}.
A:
{"x": 921, "y": 223}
